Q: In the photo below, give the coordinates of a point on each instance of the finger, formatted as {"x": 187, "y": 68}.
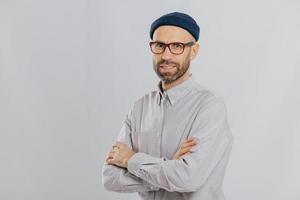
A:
{"x": 113, "y": 151}
{"x": 110, "y": 161}
{"x": 119, "y": 144}
{"x": 191, "y": 143}
{"x": 109, "y": 158}
{"x": 185, "y": 150}
{"x": 194, "y": 139}
{"x": 190, "y": 140}
{"x": 187, "y": 153}
{"x": 110, "y": 154}
{"x": 187, "y": 140}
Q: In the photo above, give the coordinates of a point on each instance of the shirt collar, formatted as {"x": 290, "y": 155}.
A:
{"x": 175, "y": 93}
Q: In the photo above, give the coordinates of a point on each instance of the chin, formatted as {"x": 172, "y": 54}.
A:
{"x": 167, "y": 79}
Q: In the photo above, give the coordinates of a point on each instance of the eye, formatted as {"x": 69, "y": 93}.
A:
{"x": 176, "y": 46}
{"x": 159, "y": 45}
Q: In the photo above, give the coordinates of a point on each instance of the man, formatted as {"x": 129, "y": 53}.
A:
{"x": 175, "y": 141}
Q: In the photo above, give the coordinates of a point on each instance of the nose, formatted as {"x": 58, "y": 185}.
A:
{"x": 166, "y": 55}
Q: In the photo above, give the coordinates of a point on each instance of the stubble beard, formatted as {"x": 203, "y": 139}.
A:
{"x": 169, "y": 77}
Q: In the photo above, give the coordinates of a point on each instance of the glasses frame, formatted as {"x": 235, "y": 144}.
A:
{"x": 189, "y": 44}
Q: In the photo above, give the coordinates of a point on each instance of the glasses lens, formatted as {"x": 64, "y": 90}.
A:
{"x": 157, "y": 47}
{"x": 176, "y": 48}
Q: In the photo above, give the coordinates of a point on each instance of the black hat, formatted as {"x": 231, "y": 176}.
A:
{"x": 177, "y": 19}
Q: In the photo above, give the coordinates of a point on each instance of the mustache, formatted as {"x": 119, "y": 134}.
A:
{"x": 166, "y": 62}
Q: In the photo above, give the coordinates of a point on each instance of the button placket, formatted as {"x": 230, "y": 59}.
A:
{"x": 162, "y": 119}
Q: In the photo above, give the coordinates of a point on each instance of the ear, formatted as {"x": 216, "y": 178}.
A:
{"x": 194, "y": 50}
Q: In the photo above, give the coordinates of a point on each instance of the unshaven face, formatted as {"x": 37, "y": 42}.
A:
{"x": 170, "y": 67}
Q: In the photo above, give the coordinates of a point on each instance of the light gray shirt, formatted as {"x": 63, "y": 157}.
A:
{"x": 155, "y": 127}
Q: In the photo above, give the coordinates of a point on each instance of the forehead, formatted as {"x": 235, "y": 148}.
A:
{"x": 169, "y": 34}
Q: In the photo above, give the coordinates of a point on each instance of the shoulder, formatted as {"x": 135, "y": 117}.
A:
{"x": 146, "y": 99}
{"x": 207, "y": 98}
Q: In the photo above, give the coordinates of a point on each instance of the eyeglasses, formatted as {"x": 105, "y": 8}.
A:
{"x": 174, "y": 47}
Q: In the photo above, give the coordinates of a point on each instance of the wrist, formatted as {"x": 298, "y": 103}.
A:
{"x": 128, "y": 158}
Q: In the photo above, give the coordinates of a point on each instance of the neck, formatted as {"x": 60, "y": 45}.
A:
{"x": 166, "y": 86}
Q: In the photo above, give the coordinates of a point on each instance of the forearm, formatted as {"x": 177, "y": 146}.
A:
{"x": 187, "y": 174}
{"x": 158, "y": 172}
{"x": 120, "y": 180}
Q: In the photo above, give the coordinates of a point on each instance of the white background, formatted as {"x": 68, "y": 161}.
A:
{"x": 70, "y": 70}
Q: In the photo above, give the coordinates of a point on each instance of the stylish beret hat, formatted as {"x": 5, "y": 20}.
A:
{"x": 181, "y": 20}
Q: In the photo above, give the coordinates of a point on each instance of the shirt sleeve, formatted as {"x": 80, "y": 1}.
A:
{"x": 190, "y": 172}
{"x": 118, "y": 179}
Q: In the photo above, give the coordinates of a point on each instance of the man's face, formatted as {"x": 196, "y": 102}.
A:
{"x": 170, "y": 67}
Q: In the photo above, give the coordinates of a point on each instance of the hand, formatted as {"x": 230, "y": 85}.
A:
{"x": 119, "y": 155}
{"x": 185, "y": 148}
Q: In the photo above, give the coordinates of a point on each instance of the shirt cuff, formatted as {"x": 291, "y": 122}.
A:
{"x": 138, "y": 163}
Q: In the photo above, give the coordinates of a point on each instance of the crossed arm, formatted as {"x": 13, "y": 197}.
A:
{"x": 117, "y": 163}
{"x": 128, "y": 171}
{"x": 121, "y": 153}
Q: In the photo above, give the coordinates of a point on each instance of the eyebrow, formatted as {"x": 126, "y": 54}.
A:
{"x": 158, "y": 41}
{"x": 166, "y": 43}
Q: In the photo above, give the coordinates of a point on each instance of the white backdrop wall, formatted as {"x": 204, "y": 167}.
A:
{"x": 70, "y": 70}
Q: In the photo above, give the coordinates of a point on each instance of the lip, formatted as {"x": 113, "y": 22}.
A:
{"x": 166, "y": 66}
